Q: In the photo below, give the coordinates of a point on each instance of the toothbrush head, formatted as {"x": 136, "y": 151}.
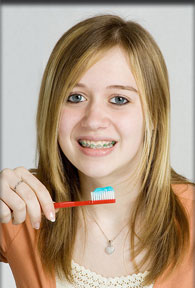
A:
{"x": 105, "y": 193}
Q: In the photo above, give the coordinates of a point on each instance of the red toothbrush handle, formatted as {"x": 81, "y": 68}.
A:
{"x": 82, "y": 203}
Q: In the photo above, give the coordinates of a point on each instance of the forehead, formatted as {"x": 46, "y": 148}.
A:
{"x": 111, "y": 66}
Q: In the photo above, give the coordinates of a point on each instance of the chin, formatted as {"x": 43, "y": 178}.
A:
{"x": 95, "y": 173}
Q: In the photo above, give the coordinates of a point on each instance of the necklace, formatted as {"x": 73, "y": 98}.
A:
{"x": 109, "y": 249}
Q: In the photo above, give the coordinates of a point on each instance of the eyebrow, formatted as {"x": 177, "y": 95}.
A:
{"x": 122, "y": 87}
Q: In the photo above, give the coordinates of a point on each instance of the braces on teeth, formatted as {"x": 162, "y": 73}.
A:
{"x": 98, "y": 146}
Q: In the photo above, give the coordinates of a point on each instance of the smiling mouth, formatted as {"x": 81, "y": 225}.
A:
{"x": 96, "y": 144}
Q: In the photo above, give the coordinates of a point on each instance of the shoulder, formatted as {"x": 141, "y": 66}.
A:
{"x": 184, "y": 191}
{"x": 182, "y": 276}
{"x": 186, "y": 195}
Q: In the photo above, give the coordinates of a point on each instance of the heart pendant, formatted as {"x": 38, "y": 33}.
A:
{"x": 109, "y": 249}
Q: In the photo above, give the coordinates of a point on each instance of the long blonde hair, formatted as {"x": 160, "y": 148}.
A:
{"x": 164, "y": 231}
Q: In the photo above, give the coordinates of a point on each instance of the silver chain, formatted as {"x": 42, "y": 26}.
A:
{"x": 104, "y": 232}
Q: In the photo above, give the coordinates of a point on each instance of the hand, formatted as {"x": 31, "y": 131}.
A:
{"x": 22, "y": 193}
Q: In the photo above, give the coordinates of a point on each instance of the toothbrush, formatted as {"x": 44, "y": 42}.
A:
{"x": 98, "y": 196}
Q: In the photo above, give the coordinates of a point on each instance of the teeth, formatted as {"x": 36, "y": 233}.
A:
{"x": 97, "y": 144}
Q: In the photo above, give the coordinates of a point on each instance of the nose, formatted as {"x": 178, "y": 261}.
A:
{"x": 95, "y": 118}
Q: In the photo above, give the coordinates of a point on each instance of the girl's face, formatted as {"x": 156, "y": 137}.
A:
{"x": 101, "y": 125}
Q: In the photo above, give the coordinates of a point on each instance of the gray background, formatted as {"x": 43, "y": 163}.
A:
{"x": 29, "y": 34}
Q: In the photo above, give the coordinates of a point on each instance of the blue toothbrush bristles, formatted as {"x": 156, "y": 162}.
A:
{"x": 102, "y": 193}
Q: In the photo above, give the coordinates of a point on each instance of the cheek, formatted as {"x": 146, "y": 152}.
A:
{"x": 131, "y": 125}
{"x": 68, "y": 120}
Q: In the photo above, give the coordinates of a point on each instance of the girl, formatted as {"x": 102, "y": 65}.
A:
{"x": 103, "y": 120}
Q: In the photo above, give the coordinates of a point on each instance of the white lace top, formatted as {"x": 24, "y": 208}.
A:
{"x": 84, "y": 278}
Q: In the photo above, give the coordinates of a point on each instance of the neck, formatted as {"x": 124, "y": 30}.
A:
{"x": 126, "y": 193}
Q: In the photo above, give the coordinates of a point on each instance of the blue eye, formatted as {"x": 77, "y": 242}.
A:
{"x": 76, "y": 98}
{"x": 118, "y": 100}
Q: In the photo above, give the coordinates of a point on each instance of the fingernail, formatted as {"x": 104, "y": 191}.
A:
{"x": 36, "y": 225}
{"x": 52, "y": 217}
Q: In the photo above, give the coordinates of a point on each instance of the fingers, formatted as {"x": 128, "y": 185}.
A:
{"x": 15, "y": 203}
{"x": 57, "y": 210}
{"x": 38, "y": 189}
{"x": 29, "y": 203}
{"x": 29, "y": 195}
{"x": 5, "y": 213}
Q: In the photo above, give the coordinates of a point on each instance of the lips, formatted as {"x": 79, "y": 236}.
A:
{"x": 96, "y": 146}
